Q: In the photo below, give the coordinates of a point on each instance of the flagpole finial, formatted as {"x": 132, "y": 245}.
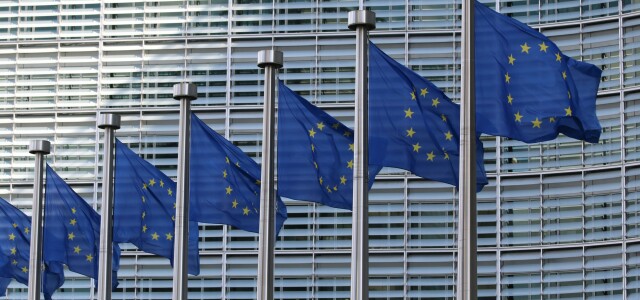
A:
{"x": 185, "y": 90}
{"x": 270, "y": 58}
{"x": 109, "y": 121}
{"x": 365, "y": 18}
{"x": 39, "y": 146}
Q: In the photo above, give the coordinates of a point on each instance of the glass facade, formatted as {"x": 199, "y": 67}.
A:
{"x": 559, "y": 219}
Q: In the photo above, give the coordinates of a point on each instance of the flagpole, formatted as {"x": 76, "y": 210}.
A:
{"x": 185, "y": 93}
{"x": 467, "y": 226}
{"x": 270, "y": 60}
{"x": 361, "y": 21}
{"x": 39, "y": 148}
{"x": 110, "y": 123}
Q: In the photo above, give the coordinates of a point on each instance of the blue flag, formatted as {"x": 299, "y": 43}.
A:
{"x": 412, "y": 124}
{"x": 71, "y": 230}
{"x": 526, "y": 89}
{"x": 15, "y": 237}
{"x": 315, "y": 153}
{"x": 225, "y": 182}
{"x": 4, "y": 283}
{"x": 144, "y": 208}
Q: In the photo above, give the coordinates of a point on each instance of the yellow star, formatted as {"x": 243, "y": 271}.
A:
{"x": 144, "y": 228}
{"x": 315, "y": 164}
{"x": 12, "y": 237}
{"x": 410, "y": 132}
{"x": 25, "y": 270}
{"x": 73, "y": 222}
{"x": 169, "y": 191}
{"x": 313, "y": 148}
{"x": 518, "y": 117}
{"x": 173, "y": 218}
{"x": 558, "y": 57}
{"x": 154, "y": 236}
{"x": 569, "y": 94}
{"x": 245, "y": 211}
{"x": 169, "y": 236}
{"x": 430, "y": 156}
{"x": 423, "y": 92}
{"x": 416, "y": 147}
{"x": 347, "y": 133}
{"x": 343, "y": 180}
{"x": 507, "y": 78}
{"x": 15, "y": 225}
{"x": 413, "y": 95}
{"x": 320, "y": 180}
{"x": 320, "y": 126}
{"x": 238, "y": 164}
{"x": 13, "y": 251}
{"x": 76, "y": 249}
{"x": 26, "y": 230}
{"x": 567, "y": 111}
{"x": 564, "y": 75}
{"x": 14, "y": 262}
{"x": 525, "y": 48}
{"x": 510, "y": 99}
{"x": 161, "y": 183}
{"x": 511, "y": 59}
{"x": 144, "y": 214}
{"x": 443, "y": 117}
{"x": 174, "y": 205}
{"x": 73, "y": 210}
{"x": 71, "y": 236}
{"x": 312, "y": 133}
{"x": 328, "y": 189}
{"x": 335, "y": 125}
{"x": 448, "y": 135}
{"x": 144, "y": 199}
{"x": 152, "y": 182}
{"x": 335, "y": 187}
{"x": 258, "y": 182}
{"x": 543, "y": 47}
{"x": 351, "y": 147}
{"x": 350, "y": 164}
{"x": 226, "y": 159}
{"x": 435, "y": 102}
{"x": 89, "y": 257}
{"x": 552, "y": 120}
{"x": 144, "y": 185}
{"x": 408, "y": 113}
{"x": 229, "y": 190}
{"x": 234, "y": 204}
{"x": 536, "y": 123}
{"x": 224, "y": 174}
{"x": 446, "y": 156}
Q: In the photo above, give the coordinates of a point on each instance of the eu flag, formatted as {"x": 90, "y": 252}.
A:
{"x": 71, "y": 230}
{"x": 144, "y": 208}
{"x": 225, "y": 182}
{"x": 315, "y": 153}
{"x": 15, "y": 237}
{"x": 526, "y": 89}
{"x": 412, "y": 124}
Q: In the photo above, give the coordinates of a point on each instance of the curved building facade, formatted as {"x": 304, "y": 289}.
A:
{"x": 559, "y": 219}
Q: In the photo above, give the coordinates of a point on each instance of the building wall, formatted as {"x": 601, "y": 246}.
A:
{"x": 559, "y": 220}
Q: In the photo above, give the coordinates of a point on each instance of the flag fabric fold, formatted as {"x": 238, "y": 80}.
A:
{"x": 15, "y": 237}
{"x": 144, "y": 208}
{"x": 526, "y": 89}
{"x": 4, "y": 283}
{"x": 225, "y": 182}
{"x": 315, "y": 153}
{"x": 71, "y": 230}
{"x": 413, "y": 125}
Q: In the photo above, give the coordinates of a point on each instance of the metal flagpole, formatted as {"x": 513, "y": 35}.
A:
{"x": 185, "y": 93}
{"x": 361, "y": 21}
{"x": 467, "y": 227}
{"x": 39, "y": 148}
{"x": 110, "y": 123}
{"x": 270, "y": 60}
